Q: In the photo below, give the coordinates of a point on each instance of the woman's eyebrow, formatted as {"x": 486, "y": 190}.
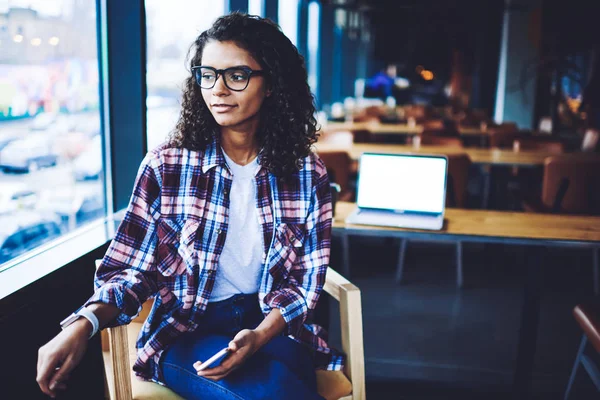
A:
{"x": 234, "y": 66}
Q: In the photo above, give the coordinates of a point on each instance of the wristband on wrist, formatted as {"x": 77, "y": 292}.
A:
{"x": 85, "y": 313}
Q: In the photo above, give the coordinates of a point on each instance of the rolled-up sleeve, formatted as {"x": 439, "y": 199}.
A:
{"x": 298, "y": 297}
{"x": 126, "y": 276}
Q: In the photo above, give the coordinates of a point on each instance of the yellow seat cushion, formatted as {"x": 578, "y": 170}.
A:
{"x": 330, "y": 384}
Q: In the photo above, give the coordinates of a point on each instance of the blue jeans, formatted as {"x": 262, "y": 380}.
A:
{"x": 282, "y": 369}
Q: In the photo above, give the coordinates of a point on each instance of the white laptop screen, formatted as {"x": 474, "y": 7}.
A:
{"x": 407, "y": 183}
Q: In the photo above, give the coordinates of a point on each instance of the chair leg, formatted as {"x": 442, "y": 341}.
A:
{"x": 459, "y": 265}
{"x": 575, "y": 366}
{"x": 596, "y": 264}
{"x": 401, "y": 254}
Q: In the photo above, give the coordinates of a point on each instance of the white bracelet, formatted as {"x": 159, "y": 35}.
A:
{"x": 90, "y": 316}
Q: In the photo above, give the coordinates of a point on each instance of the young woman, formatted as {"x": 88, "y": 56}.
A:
{"x": 228, "y": 228}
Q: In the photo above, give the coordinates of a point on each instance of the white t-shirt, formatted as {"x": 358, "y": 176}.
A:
{"x": 240, "y": 264}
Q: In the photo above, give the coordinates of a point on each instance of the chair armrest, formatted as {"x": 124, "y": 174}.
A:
{"x": 120, "y": 362}
{"x": 351, "y": 327}
{"x": 119, "y": 353}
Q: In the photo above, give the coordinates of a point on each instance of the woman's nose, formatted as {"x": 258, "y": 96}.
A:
{"x": 220, "y": 88}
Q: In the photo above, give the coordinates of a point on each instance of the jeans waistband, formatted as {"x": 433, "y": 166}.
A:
{"x": 235, "y": 300}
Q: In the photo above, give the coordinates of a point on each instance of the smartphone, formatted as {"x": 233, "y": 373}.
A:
{"x": 214, "y": 358}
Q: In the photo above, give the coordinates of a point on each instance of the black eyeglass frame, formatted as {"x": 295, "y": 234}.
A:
{"x": 220, "y": 72}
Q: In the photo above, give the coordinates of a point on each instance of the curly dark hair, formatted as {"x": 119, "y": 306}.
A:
{"x": 287, "y": 127}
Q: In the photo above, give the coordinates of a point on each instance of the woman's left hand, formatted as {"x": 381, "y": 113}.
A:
{"x": 243, "y": 345}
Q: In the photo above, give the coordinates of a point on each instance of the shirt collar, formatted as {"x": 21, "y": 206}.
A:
{"x": 213, "y": 156}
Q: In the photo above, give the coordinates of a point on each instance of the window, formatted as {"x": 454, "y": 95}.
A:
{"x": 314, "y": 19}
{"x": 171, "y": 28}
{"x": 49, "y": 119}
{"x": 256, "y": 7}
{"x": 288, "y": 19}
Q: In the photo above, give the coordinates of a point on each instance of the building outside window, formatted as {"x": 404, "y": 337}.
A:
{"x": 171, "y": 28}
{"x": 51, "y": 176}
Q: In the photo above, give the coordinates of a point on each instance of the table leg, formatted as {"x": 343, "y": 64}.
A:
{"x": 596, "y": 266}
{"x": 528, "y": 331}
{"x": 487, "y": 181}
{"x": 346, "y": 255}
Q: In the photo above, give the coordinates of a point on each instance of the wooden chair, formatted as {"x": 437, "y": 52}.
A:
{"x": 118, "y": 345}
{"x": 503, "y": 136}
{"x": 569, "y": 186}
{"x": 535, "y": 143}
{"x": 427, "y": 140}
{"x": 456, "y": 196}
{"x": 588, "y": 318}
{"x": 339, "y": 168}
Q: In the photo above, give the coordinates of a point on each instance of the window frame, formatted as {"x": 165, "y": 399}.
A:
{"x": 121, "y": 59}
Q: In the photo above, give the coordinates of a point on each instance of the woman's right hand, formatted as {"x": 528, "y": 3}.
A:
{"x": 58, "y": 357}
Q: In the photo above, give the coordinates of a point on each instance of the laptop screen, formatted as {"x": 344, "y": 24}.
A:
{"x": 407, "y": 183}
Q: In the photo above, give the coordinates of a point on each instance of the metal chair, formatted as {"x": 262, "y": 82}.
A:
{"x": 588, "y": 318}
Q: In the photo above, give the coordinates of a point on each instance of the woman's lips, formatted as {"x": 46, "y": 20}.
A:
{"x": 222, "y": 108}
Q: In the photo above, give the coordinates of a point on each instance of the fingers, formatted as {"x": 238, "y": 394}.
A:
{"x": 54, "y": 379}
{"x": 46, "y": 369}
{"x": 229, "y": 364}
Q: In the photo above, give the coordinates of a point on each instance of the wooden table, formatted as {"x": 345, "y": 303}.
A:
{"x": 539, "y": 230}
{"x": 395, "y": 129}
{"x": 477, "y": 155}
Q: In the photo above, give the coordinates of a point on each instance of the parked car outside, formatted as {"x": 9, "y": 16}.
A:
{"x": 74, "y": 207}
{"x": 29, "y": 154}
{"x": 88, "y": 165}
{"x": 23, "y": 231}
{"x": 16, "y": 196}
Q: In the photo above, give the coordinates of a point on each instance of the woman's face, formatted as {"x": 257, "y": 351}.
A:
{"x": 233, "y": 109}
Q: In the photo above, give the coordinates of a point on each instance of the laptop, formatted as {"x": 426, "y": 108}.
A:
{"x": 401, "y": 190}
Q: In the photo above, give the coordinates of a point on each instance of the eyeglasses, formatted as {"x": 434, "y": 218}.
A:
{"x": 236, "y": 78}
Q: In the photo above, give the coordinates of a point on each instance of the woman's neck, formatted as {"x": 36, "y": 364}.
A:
{"x": 241, "y": 147}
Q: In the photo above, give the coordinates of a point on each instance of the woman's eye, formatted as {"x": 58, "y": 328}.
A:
{"x": 208, "y": 77}
{"x": 237, "y": 77}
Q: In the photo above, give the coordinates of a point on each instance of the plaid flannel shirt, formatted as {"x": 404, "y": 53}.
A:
{"x": 174, "y": 229}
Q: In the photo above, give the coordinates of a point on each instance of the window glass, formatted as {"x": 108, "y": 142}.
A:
{"x": 256, "y": 7}
{"x": 171, "y": 28}
{"x": 314, "y": 17}
{"x": 49, "y": 117}
{"x": 288, "y": 19}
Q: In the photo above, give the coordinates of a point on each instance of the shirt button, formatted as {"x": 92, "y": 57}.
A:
{"x": 293, "y": 238}
{"x": 178, "y": 235}
{"x": 219, "y": 231}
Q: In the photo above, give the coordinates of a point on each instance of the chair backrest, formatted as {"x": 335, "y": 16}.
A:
{"x": 534, "y": 143}
{"x": 428, "y": 140}
{"x": 458, "y": 177}
{"x": 590, "y": 141}
{"x": 503, "y": 136}
{"x": 580, "y": 175}
{"x": 338, "y": 165}
{"x": 362, "y": 136}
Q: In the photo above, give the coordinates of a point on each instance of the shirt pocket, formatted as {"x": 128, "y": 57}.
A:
{"x": 287, "y": 247}
{"x": 176, "y": 252}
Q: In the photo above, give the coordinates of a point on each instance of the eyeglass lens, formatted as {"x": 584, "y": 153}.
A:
{"x": 235, "y": 79}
